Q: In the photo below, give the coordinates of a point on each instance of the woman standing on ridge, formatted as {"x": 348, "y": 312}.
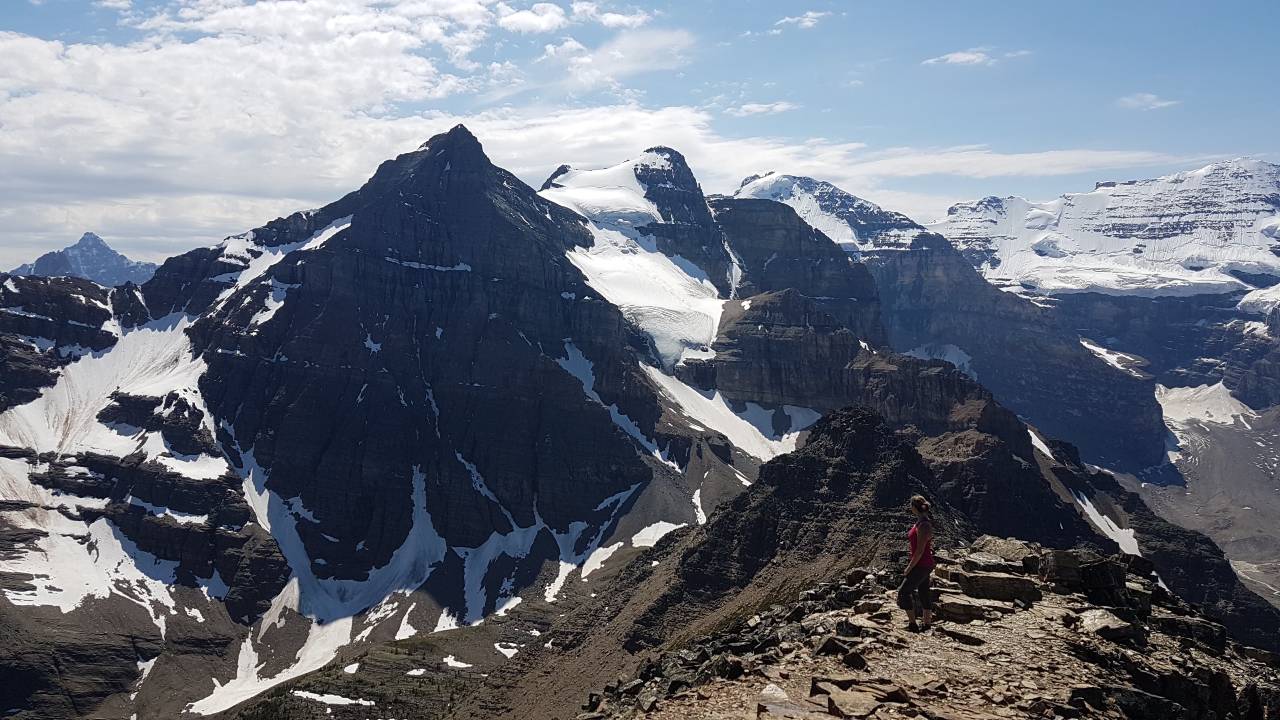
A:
{"x": 915, "y": 586}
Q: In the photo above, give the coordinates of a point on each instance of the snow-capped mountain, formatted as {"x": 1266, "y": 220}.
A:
{"x": 92, "y": 259}
{"x": 1178, "y": 273}
{"x": 446, "y": 404}
{"x": 855, "y": 224}
{"x": 1206, "y": 231}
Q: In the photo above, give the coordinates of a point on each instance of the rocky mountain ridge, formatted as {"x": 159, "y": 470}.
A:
{"x": 1020, "y": 632}
{"x": 814, "y": 516}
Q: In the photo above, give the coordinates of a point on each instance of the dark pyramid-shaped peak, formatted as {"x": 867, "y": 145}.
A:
{"x": 91, "y": 240}
{"x": 456, "y": 136}
{"x": 452, "y": 160}
{"x": 457, "y": 145}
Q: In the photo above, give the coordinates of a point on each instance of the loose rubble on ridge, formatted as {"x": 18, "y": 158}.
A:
{"x": 1021, "y": 632}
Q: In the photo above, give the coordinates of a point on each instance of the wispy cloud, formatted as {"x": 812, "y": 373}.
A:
{"x": 629, "y": 53}
{"x": 975, "y": 56}
{"x": 804, "y": 21}
{"x": 1145, "y": 101}
{"x": 772, "y": 108}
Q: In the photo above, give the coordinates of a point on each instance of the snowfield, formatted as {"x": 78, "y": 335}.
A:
{"x": 670, "y": 300}
{"x": 1182, "y": 234}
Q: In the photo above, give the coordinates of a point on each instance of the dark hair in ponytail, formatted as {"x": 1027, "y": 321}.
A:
{"x": 920, "y": 505}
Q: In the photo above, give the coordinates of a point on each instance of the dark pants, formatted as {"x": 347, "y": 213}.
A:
{"x": 915, "y": 591}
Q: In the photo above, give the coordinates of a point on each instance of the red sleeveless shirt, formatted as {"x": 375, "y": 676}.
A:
{"x": 926, "y": 558}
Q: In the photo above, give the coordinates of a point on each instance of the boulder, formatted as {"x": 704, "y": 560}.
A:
{"x": 773, "y": 702}
{"x": 1010, "y": 550}
{"x": 1205, "y": 632}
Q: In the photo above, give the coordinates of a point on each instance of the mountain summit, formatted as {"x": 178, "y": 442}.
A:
{"x": 90, "y": 258}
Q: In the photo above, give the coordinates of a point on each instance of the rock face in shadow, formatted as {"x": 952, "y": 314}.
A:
{"x": 777, "y": 250}
{"x": 1037, "y": 367}
{"x": 783, "y": 349}
{"x": 688, "y": 229}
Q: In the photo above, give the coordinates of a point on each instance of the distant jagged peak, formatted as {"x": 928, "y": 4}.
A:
{"x": 857, "y": 224}
{"x": 90, "y": 258}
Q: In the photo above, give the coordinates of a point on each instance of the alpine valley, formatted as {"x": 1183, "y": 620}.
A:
{"x": 455, "y": 447}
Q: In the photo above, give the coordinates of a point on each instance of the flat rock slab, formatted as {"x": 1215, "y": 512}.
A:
{"x": 961, "y": 608}
{"x": 774, "y": 703}
{"x": 851, "y": 703}
{"x": 1105, "y": 624}
{"x": 997, "y": 585}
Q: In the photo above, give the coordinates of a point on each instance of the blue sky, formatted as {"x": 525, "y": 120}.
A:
{"x": 165, "y": 124}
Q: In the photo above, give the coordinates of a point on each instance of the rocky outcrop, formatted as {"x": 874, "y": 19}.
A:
{"x": 687, "y": 229}
{"x": 46, "y": 323}
{"x": 842, "y": 651}
{"x": 781, "y": 348}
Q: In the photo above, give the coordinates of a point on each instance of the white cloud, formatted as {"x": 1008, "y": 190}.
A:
{"x": 591, "y": 11}
{"x": 154, "y": 198}
{"x": 114, "y": 4}
{"x": 972, "y": 56}
{"x": 975, "y": 56}
{"x": 1145, "y": 101}
{"x": 230, "y": 114}
{"x": 565, "y": 49}
{"x": 803, "y": 21}
{"x": 539, "y": 18}
{"x": 772, "y": 108}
